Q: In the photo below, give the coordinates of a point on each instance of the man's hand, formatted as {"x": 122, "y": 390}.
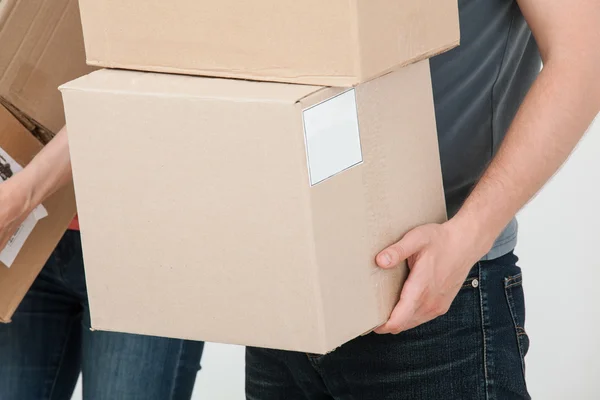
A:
{"x": 554, "y": 116}
{"x": 439, "y": 258}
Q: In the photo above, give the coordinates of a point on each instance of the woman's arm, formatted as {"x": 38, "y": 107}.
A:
{"x": 45, "y": 174}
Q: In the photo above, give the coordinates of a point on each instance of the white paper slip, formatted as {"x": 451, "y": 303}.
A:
{"x": 8, "y": 168}
{"x": 39, "y": 212}
{"x": 16, "y": 242}
{"x": 332, "y": 137}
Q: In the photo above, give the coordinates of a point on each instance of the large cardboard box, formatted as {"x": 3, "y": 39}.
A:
{"x": 332, "y": 42}
{"x": 249, "y": 212}
{"x": 29, "y": 249}
{"x": 41, "y": 47}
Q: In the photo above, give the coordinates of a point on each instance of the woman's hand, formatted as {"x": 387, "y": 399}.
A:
{"x": 15, "y": 206}
{"x": 46, "y": 173}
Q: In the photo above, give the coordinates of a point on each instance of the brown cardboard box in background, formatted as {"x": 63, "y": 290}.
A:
{"x": 249, "y": 212}
{"x": 41, "y": 47}
{"x": 333, "y": 42}
{"x": 22, "y": 146}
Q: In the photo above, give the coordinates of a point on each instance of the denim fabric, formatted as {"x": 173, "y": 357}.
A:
{"x": 49, "y": 343}
{"x": 475, "y": 351}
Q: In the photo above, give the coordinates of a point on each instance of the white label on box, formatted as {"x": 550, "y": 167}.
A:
{"x": 332, "y": 136}
{"x": 9, "y": 167}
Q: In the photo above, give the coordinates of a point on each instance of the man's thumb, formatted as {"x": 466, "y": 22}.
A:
{"x": 410, "y": 244}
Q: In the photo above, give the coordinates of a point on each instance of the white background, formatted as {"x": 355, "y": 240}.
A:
{"x": 559, "y": 248}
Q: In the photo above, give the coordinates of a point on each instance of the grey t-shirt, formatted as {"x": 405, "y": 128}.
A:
{"x": 478, "y": 88}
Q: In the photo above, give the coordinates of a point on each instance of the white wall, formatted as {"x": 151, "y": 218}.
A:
{"x": 559, "y": 249}
{"x": 560, "y": 257}
{"x": 222, "y": 375}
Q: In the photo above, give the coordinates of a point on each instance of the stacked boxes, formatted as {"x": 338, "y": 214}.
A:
{"x": 246, "y": 211}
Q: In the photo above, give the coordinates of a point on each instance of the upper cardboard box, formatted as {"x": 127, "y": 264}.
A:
{"x": 41, "y": 47}
{"x": 333, "y": 42}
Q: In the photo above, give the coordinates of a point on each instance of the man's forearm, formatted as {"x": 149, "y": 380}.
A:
{"x": 554, "y": 116}
{"x": 48, "y": 171}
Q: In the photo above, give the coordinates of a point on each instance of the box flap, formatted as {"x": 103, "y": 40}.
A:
{"x": 42, "y": 48}
{"x": 41, "y": 133}
{"x": 156, "y": 84}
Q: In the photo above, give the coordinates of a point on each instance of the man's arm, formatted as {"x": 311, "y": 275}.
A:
{"x": 558, "y": 109}
{"x": 44, "y": 175}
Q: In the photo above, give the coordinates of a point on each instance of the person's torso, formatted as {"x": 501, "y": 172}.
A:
{"x": 478, "y": 88}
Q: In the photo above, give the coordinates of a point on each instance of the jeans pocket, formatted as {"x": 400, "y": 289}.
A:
{"x": 513, "y": 289}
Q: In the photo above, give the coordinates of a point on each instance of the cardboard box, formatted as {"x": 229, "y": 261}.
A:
{"x": 47, "y": 223}
{"x": 333, "y": 42}
{"x": 249, "y": 212}
{"x": 41, "y": 48}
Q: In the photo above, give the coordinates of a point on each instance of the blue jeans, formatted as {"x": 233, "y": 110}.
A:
{"x": 475, "y": 351}
{"x": 49, "y": 343}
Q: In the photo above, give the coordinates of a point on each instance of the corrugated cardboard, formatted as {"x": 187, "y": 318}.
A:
{"x": 15, "y": 281}
{"x": 200, "y": 218}
{"x": 41, "y": 47}
{"x": 333, "y": 42}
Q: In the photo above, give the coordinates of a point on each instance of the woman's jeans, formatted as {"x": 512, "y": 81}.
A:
{"x": 49, "y": 343}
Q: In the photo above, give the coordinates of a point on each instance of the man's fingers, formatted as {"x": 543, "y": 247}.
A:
{"x": 400, "y": 318}
{"x": 410, "y": 244}
{"x": 404, "y": 312}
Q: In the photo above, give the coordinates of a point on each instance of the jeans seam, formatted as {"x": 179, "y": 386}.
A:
{"x": 518, "y": 334}
{"x": 468, "y": 283}
{"x": 513, "y": 280}
{"x": 314, "y": 360}
{"x": 508, "y": 286}
{"x": 176, "y": 370}
{"x": 62, "y": 359}
{"x": 484, "y": 336}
